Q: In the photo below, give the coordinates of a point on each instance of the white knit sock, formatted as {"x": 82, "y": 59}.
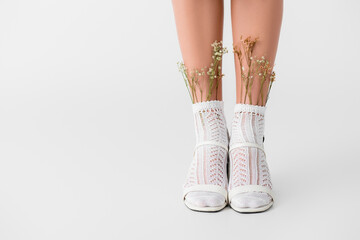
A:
{"x": 209, "y": 162}
{"x": 248, "y": 164}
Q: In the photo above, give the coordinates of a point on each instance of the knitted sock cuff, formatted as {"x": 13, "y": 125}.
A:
{"x": 208, "y": 105}
{"x": 240, "y": 107}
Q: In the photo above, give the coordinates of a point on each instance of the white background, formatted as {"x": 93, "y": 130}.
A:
{"x": 96, "y": 128}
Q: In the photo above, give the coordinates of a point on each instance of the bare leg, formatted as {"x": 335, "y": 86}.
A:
{"x": 199, "y": 23}
{"x": 259, "y": 19}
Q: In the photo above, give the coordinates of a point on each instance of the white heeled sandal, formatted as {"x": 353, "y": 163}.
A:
{"x": 249, "y": 188}
{"x": 206, "y": 187}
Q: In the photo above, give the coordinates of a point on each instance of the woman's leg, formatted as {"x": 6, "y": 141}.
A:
{"x": 199, "y": 24}
{"x": 256, "y": 19}
{"x": 260, "y": 20}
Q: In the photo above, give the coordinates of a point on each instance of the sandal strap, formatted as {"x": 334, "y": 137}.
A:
{"x": 211, "y": 143}
{"x": 250, "y": 188}
{"x": 206, "y": 188}
{"x": 246, "y": 144}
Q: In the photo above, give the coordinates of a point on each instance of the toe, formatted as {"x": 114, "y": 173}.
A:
{"x": 205, "y": 199}
{"x": 251, "y": 200}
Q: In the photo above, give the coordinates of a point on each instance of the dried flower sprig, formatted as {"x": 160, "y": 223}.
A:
{"x": 193, "y": 77}
{"x": 272, "y": 79}
{"x": 253, "y": 68}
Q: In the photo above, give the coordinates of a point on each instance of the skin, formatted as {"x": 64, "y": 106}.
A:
{"x": 259, "y": 19}
{"x": 200, "y": 22}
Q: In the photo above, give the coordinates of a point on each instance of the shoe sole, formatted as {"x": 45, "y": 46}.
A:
{"x": 204, "y": 209}
{"x": 252, "y": 210}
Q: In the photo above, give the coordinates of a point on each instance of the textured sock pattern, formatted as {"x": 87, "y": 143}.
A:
{"x": 248, "y": 164}
{"x": 209, "y": 161}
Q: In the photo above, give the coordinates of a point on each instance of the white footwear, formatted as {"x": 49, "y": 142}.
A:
{"x": 250, "y": 184}
{"x": 249, "y": 188}
{"x": 205, "y": 188}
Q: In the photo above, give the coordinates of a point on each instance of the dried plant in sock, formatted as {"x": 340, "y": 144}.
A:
{"x": 194, "y": 78}
{"x": 253, "y": 69}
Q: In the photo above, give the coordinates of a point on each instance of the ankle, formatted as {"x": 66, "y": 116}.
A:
{"x": 210, "y": 124}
